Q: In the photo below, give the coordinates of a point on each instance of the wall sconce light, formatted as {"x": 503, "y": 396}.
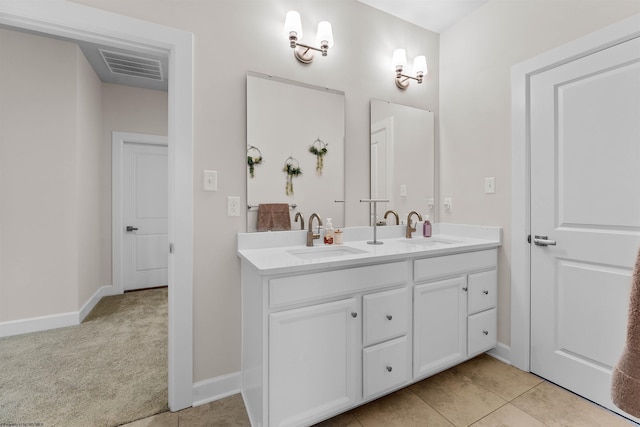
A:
{"x": 303, "y": 52}
{"x": 400, "y": 61}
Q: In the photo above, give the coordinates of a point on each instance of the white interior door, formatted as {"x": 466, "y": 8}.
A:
{"x": 585, "y": 202}
{"x": 145, "y": 207}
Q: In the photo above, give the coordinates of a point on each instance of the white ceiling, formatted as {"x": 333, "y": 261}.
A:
{"x": 434, "y": 15}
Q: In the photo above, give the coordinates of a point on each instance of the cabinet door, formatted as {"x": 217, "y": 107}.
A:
{"x": 313, "y": 361}
{"x": 440, "y": 325}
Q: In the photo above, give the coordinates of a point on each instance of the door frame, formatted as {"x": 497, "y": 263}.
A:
{"x": 118, "y": 140}
{"x": 521, "y": 74}
{"x": 79, "y": 22}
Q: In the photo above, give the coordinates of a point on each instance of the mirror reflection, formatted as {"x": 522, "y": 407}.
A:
{"x": 295, "y": 153}
{"x": 402, "y": 160}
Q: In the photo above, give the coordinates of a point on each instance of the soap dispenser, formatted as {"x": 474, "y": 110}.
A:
{"x": 328, "y": 232}
{"x": 426, "y": 227}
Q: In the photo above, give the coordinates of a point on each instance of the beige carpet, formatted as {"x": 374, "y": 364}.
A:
{"x": 110, "y": 370}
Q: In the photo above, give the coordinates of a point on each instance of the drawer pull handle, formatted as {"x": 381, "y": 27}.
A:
{"x": 485, "y": 292}
{"x": 354, "y": 314}
{"x": 389, "y": 369}
{"x": 389, "y": 317}
{"x": 485, "y": 332}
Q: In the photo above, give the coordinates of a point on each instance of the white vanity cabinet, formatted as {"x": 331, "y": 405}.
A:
{"x": 322, "y": 337}
{"x": 440, "y": 325}
{"x": 303, "y": 344}
{"x": 313, "y": 361}
{"x": 454, "y": 309}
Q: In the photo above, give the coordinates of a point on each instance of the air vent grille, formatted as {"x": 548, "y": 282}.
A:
{"x": 131, "y": 65}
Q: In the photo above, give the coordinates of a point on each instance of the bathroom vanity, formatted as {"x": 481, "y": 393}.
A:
{"x": 328, "y": 328}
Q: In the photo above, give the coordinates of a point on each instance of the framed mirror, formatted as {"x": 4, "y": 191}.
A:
{"x": 295, "y": 152}
{"x": 402, "y": 159}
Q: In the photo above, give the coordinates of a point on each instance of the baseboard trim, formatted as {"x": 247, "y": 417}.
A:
{"x": 53, "y": 321}
{"x": 36, "y": 324}
{"x": 216, "y": 388}
{"x": 502, "y": 352}
{"x": 103, "y": 291}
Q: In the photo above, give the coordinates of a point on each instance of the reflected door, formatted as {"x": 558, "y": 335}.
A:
{"x": 585, "y": 152}
{"x": 382, "y": 163}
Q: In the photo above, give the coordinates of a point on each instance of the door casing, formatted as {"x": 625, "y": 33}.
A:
{"x": 620, "y": 32}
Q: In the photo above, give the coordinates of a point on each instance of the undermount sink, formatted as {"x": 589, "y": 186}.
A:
{"x": 429, "y": 241}
{"x": 318, "y": 252}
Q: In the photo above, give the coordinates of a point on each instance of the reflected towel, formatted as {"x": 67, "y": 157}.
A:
{"x": 273, "y": 217}
{"x": 625, "y": 384}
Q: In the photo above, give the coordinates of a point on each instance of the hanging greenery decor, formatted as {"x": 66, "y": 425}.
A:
{"x": 292, "y": 169}
{"x": 254, "y": 158}
{"x": 319, "y": 149}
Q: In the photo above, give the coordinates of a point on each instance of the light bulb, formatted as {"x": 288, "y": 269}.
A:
{"x": 292, "y": 24}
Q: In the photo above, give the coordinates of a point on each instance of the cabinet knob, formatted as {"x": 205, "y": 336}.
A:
{"x": 485, "y": 292}
{"x": 389, "y": 369}
{"x": 485, "y": 332}
{"x": 465, "y": 289}
{"x": 389, "y": 317}
{"x": 354, "y": 314}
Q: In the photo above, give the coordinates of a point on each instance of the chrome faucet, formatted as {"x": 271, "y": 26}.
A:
{"x": 311, "y": 236}
{"x": 411, "y": 229}
{"x": 299, "y": 215}
{"x": 394, "y": 214}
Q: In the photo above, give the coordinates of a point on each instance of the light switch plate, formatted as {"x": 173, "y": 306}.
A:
{"x": 430, "y": 203}
{"x": 233, "y": 206}
{"x": 448, "y": 204}
{"x": 210, "y": 180}
{"x": 490, "y": 185}
{"x": 403, "y": 190}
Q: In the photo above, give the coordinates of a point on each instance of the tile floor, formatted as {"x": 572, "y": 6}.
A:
{"x": 482, "y": 392}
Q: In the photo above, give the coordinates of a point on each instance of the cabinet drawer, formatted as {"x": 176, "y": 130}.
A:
{"x": 432, "y": 268}
{"x": 386, "y": 315}
{"x": 385, "y": 366}
{"x": 483, "y": 291}
{"x": 482, "y": 332}
{"x": 308, "y": 287}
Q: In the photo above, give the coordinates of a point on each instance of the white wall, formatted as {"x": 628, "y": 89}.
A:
{"x": 88, "y": 114}
{"x": 475, "y": 88}
{"x": 38, "y": 179}
{"x": 231, "y": 38}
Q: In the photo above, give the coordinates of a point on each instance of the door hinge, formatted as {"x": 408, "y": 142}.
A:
{"x": 170, "y": 248}
{"x": 529, "y": 238}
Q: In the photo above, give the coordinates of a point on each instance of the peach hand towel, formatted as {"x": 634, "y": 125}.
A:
{"x": 625, "y": 384}
{"x": 273, "y": 217}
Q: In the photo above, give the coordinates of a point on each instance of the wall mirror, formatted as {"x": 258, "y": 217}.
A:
{"x": 402, "y": 159}
{"x": 295, "y": 150}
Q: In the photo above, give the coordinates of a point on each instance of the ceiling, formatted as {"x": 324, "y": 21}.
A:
{"x": 434, "y": 15}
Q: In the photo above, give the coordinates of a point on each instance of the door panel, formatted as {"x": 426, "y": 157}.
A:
{"x": 145, "y": 207}
{"x": 585, "y": 152}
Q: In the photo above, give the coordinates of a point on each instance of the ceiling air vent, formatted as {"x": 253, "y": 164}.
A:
{"x": 131, "y": 65}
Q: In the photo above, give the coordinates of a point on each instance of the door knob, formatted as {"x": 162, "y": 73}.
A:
{"x": 543, "y": 241}
{"x": 131, "y": 228}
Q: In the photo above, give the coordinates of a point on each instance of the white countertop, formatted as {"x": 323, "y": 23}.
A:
{"x": 286, "y": 252}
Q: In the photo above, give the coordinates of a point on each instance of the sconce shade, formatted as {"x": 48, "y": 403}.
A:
{"x": 324, "y": 34}
{"x": 292, "y": 24}
{"x": 399, "y": 59}
{"x": 420, "y": 65}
